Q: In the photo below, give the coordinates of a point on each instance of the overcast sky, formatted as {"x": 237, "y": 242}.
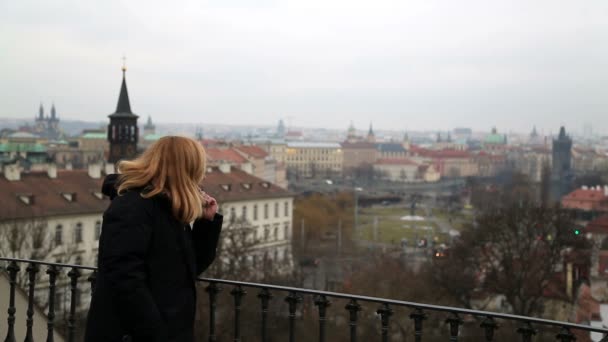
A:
{"x": 402, "y": 64}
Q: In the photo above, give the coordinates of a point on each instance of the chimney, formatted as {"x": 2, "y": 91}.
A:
{"x": 51, "y": 170}
{"x": 94, "y": 170}
{"x": 12, "y": 172}
{"x": 247, "y": 167}
{"x": 224, "y": 168}
{"x": 109, "y": 169}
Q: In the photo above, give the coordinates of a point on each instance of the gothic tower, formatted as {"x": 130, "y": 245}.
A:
{"x": 561, "y": 168}
{"x": 122, "y": 130}
{"x": 149, "y": 127}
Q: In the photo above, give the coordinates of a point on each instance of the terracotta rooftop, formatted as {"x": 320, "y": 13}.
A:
{"x": 253, "y": 151}
{"x": 36, "y": 195}
{"x": 238, "y": 185}
{"x": 74, "y": 192}
{"x": 598, "y": 226}
{"x": 228, "y": 155}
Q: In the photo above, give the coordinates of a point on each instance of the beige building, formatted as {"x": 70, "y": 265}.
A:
{"x": 60, "y": 216}
{"x": 406, "y": 171}
{"x": 358, "y": 153}
{"x": 314, "y": 159}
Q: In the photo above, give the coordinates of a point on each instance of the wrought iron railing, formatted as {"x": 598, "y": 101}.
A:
{"x": 489, "y": 321}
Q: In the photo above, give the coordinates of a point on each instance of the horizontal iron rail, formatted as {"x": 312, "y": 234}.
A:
{"x": 413, "y": 305}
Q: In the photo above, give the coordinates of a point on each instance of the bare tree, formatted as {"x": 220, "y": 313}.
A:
{"x": 511, "y": 249}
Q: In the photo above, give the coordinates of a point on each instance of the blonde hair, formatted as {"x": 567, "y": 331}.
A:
{"x": 173, "y": 166}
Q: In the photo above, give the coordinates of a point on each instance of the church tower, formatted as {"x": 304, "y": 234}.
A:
{"x": 371, "y": 137}
{"x": 122, "y": 130}
{"x": 561, "y": 168}
{"x": 149, "y": 127}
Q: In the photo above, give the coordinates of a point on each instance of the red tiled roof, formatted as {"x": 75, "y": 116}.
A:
{"x": 253, "y": 151}
{"x": 47, "y": 195}
{"x": 238, "y": 185}
{"x": 395, "y": 161}
{"x": 586, "y": 195}
{"x": 224, "y": 155}
{"x": 598, "y": 226}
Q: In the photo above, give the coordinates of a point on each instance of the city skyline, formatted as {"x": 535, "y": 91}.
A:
{"x": 415, "y": 66}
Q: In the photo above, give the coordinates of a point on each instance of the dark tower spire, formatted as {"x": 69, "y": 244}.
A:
{"x": 124, "y": 105}
{"x": 53, "y": 112}
{"x": 41, "y": 112}
{"x": 123, "y": 132}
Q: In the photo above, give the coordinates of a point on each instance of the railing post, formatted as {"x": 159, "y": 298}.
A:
{"x": 385, "y": 313}
{"x": 265, "y": 297}
{"x": 489, "y": 325}
{"x": 52, "y": 271}
{"x": 565, "y": 335}
{"x": 93, "y": 280}
{"x": 292, "y": 299}
{"x": 526, "y": 332}
{"x": 31, "y": 269}
{"x": 418, "y": 316}
{"x": 212, "y": 289}
{"x": 74, "y": 274}
{"x": 455, "y": 322}
{"x": 353, "y": 308}
{"x": 322, "y": 303}
{"x": 238, "y": 294}
{"x": 12, "y": 269}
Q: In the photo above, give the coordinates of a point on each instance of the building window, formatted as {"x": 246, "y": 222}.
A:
{"x": 286, "y": 231}
{"x": 97, "y": 229}
{"x": 255, "y": 212}
{"x": 286, "y": 209}
{"x": 276, "y": 209}
{"x": 276, "y": 233}
{"x": 266, "y": 233}
{"x": 78, "y": 260}
{"x": 78, "y": 233}
{"x": 266, "y": 211}
{"x": 58, "y": 235}
{"x": 255, "y": 235}
{"x": 232, "y": 214}
{"x": 244, "y": 212}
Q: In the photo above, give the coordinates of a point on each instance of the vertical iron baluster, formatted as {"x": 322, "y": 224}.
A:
{"x": 265, "y": 297}
{"x": 489, "y": 325}
{"x": 293, "y": 299}
{"x": 385, "y": 313}
{"x": 31, "y": 269}
{"x": 53, "y": 271}
{"x": 322, "y": 303}
{"x": 12, "y": 269}
{"x": 454, "y": 321}
{"x": 238, "y": 294}
{"x": 526, "y": 332}
{"x": 418, "y": 316}
{"x": 353, "y": 308}
{"x": 74, "y": 274}
{"x": 565, "y": 335}
{"x": 213, "y": 290}
{"x": 93, "y": 280}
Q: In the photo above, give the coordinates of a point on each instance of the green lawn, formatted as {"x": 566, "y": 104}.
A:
{"x": 391, "y": 229}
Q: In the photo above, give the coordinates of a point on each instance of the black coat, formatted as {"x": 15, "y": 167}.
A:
{"x": 148, "y": 263}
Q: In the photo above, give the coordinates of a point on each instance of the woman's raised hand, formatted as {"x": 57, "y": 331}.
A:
{"x": 209, "y": 206}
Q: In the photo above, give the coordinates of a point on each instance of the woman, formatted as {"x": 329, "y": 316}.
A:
{"x": 149, "y": 252}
